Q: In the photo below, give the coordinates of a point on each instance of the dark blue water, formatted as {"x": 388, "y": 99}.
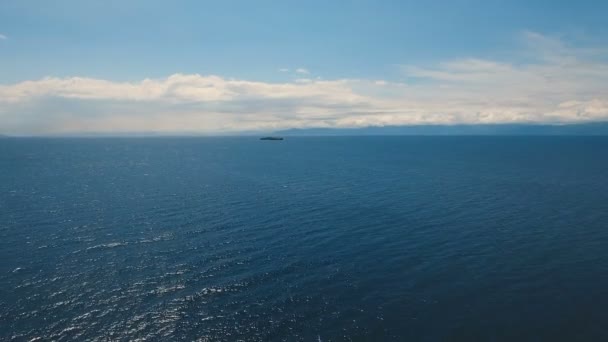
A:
{"x": 331, "y": 239}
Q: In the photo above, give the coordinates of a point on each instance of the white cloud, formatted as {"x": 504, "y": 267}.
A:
{"x": 283, "y": 70}
{"x": 557, "y": 84}
{"x": 3, "y": 37}
{"x": 302, "y": 71}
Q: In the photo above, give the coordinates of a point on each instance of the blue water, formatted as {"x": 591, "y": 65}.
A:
{"x": 331, "y": 239}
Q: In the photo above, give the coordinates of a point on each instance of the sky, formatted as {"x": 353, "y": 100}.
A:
{"x": 224, "y": 67}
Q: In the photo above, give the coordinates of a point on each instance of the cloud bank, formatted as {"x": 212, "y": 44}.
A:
{"x": 551, "y": 83}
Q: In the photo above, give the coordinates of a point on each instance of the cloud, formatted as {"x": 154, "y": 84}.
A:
{"x": 3, "y": 37}
{"x": 283, "y": 70}
{"x": 551, "y": 83}
{"x": 302, "y": 71}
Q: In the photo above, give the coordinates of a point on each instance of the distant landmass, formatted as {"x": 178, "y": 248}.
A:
{"x": 585, "y": 129}
{"x": 596, "y": 128}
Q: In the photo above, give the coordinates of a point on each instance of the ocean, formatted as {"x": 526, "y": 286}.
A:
{"x": 307, "y": 239}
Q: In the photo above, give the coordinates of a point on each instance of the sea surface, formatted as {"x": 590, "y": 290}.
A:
{"x": 306, "y": 239}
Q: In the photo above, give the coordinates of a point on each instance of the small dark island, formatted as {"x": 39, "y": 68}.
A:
{"x": 271, "y": 138}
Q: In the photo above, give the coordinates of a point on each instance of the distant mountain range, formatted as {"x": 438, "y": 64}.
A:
{"x": 589, "y": 129}
{"x": 597, "y": 128}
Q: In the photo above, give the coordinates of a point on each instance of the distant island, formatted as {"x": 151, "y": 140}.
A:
{"x": 591, "y": 128}
{"x": 271, "y": 138}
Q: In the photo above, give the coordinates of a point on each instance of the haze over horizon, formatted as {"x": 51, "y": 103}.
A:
{"x": 74, "y": 67}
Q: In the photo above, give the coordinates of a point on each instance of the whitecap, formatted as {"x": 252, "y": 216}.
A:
{"x": 108, "y": 245}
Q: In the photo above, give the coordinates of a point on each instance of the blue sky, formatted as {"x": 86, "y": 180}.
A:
{"x": 375, "y": 48}
{"x": 125, "y": 40}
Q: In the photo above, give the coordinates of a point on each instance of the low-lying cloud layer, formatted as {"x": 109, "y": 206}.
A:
{"x": 555, "y": 84}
